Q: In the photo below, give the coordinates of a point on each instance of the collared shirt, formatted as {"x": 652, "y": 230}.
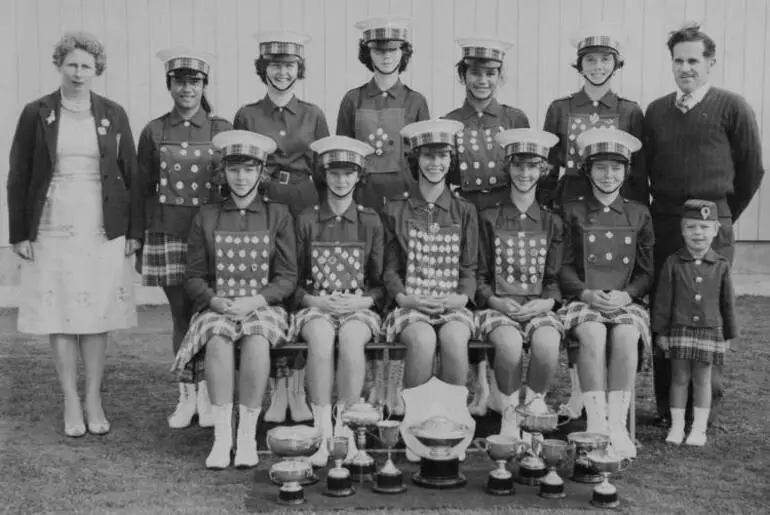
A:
{"x": 260, "y": 215}
{"x": 507, "y": 217}
{"x": 293, "y": 127}
{"x": 448, "y": 209}
{"x": 202, "y": 127}
{"x": 358, "y": 224}
{"x": 695, "y": 96}
{"x": 370, "y": 96}
{"x": 580, "y": 216}
{"x": 695, "y": 292}
{"x": 630, "y": 119}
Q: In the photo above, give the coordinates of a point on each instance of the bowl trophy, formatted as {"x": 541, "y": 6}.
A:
{"x": 554, "y": 453}
{"x": 532, "y": 468}
{"x": 581, "y": 444}
{"x": 338, "y": 480}
{"x": 606, "y": 462}
{"x": 359, "y": 417}
{"x": 389, "y": 479}
{"x": 440, "y": 466}
{"x": 501, "y": 449}
{"x": 296, "y": 443}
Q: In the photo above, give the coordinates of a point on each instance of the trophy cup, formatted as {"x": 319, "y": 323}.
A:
{"x": 606, "y": 462}
{"x": 359, "y": 417}
{"x": 581, "y": 444}
{"x": 532, "y": 468}
{"x": 389, "y": 480}
{"x": 296, "y": 443}
{"x": 440, "y": 467}
{"x": 338, "y": 481}
{"x": 502, "y": 449}
{"x": 554, "y": 454}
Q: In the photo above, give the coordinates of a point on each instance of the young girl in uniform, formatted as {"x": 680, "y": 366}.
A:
{"x": 431, "y": 255}
{"x": 694, "y": 318}
{"x": 293, "y": 124}
{"x": 518, "y": 280}
{"x": 340, "y": 291}
{"x": 606, "y": 272}
{"x": 177, "y": 166}
{"x": 241, "y": 270}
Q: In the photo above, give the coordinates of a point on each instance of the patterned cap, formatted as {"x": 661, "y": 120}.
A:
{"x": 187, "y": 59}
{"x": 484, "y": 48}
{"x": 430, "y": 132}
{"x": 700, "y": 210}
{"x": 282, "y": 42}
{"x": 385, "y": 28}
{"x": 607, "y": 141}
{"x": 341, "y": 149}
{"x": 244, "y": 143}
{"x": 526, "y": 141}
{"x": 605, "y": 35}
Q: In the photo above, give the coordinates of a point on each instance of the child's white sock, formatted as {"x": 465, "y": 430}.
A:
{"x": 676, "y": 433}
{"x": 697, "y": 436}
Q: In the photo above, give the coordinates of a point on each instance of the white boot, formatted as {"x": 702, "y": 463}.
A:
{"x": 510, "y": 423}
{"x": 379, "y": 387}
{"x": 574, "y": 406}
{"x": 482, "y": 389}
{"x": 395, "y": 386}
{"x": 617, "y": 408}
{"x": 494, "y": 401}
{"x": 203, "y": 405}
{"x": 246, "y": 455}
{"x": 697, "y": 436}
{"x": 298, "y": 408}
{"x": 279, "y": 400}
{"x": 219, "y": 457}
{"x": 596, "y": 412}
{"x": 676, "y": 433}
{"x": 322, "y": 418}
{"x": 341, "y": 429}
{"x": 185, "y": 408}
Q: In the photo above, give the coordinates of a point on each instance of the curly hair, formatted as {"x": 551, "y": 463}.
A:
{"x": 690, "y": 33}
{"x": 80, "y": 41}
{"x": 462, "y": 68}
{"x": 261, "y": 63}
{"x": 452, "y": 176}
{"x": 541, "y": 163}
{"x": 365, "y": 55}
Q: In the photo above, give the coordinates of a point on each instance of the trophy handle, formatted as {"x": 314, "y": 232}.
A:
{"x": 624, "y": 464}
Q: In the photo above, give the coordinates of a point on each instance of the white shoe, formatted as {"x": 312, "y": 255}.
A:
{"x": 203, "y": 406}
{"x": 322, "y": 418}
{"x": 246, "y": 455}
{"x": 509, "y": 426}
{"x": 696, "y": 438}
{"x": 279, "y": 400}
{"x": 596, "y": 411}
{"x": 675, "y": 435}
{"x": 494, "y": 401}
{"x": 219, "y": 457}
{"x": 617, "y": 409}
{"x": 298, "y": 408}
{"x": 185, "y": 408}
{"x": 481, "y": 393}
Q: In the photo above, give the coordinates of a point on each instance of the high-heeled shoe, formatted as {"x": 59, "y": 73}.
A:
{"x": 76, "y": 431}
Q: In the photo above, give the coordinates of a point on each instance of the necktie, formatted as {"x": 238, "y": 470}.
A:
{"x": 684, "y": 102}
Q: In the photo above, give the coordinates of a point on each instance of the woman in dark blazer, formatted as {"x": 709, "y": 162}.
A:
{"x": 73, "y": 222}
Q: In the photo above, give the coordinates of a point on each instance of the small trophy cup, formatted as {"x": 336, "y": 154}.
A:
{"x": 502, "y": 449}
{"x": 389, "y": 480}
{"x": 296, "y": 443}
{"x": 359, "y": 417}
{"x": 440, "y": 466}
{"x": 606, "y": 462}
{"x": 532, "y": 468}
{"x": 581, "y": 444}
{"x": 554, "y": 453}
{"x": 338, "y": 481}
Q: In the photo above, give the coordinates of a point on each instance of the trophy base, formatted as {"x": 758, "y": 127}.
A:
{"x": 444, "y": 474}
{"x": 389, "y": 483}
{"x": 586, "y": 475}
{"x": 311, "y": 479}
{"x": 552, "y": 491}
{"x": 500, "y": 486}
{"x": 360, "y": 472}
{"x": 531, "y": 477}
{"x": 291, "y": 497}
{"x": 609, "y": 500}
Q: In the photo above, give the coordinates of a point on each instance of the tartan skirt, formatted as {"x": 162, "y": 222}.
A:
{"x": 490, "y": 319}
{"x": 269, "y": 322}
{"x": 164, "y": 260}
{"x": 401, "y": 318}
{"x": 366, "y": 316}
{"x": 703, "y": 344}
{"x": 576, "y": 313}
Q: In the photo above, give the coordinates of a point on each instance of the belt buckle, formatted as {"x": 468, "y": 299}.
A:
{"x": 283, "y": 177}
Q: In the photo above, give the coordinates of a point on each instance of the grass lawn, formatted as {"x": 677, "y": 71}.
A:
{"x": 144, "y": 467}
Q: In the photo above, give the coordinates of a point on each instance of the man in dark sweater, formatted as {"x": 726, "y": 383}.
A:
{"x": 700, "y": 142}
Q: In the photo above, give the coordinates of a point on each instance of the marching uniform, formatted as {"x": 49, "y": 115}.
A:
{"x": 482, "y": 179}
{"x": 293, "y": 127}
{"x": 431, "y": 248}
{"x": 376, "y": 117}
{"x": 519, "y": 253}
{"x": 570, "y": 116}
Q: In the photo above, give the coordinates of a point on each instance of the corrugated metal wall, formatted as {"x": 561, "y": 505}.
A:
{"x": 538, "y": 68}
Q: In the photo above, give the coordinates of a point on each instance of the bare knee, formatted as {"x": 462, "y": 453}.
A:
{"x": 593, "y": 339}
{"x": 355, "y": 334}
{"x": 545, "y": 344}
{"x": 508, "y": 345}
{"x": 420, "y": 339}
{"x": 319, "y": 335}
{"x": 454, "y": 339}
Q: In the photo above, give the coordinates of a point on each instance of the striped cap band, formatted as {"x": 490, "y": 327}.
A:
{"x": 400, "y": 33}
{"x": 430, "y": 138}
{"x": 240, "y": 149}
{"x": 191, "y": 63}
{"x": 475, "y": 52}
{"x": 282, "y": 47}
{"x": 602, "y": 41}
{"x": 341, "y": 156}
{"x": 606, "y": 147}
{"x": 526, "y": 147}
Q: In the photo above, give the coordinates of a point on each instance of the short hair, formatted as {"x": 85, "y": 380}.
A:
{"x": 220, "y": 176}
{"x": 365, "y": 55}
{"x": 690, "y": 33}
{"x": 453, "y": 174}
{"x": 190, "y": 72}
{"x": 462, "y": 67}
{"x": 261, "y": 63}
{"x": 79, "y": 40}
{"x": 539, "y": 161}
{"x": 578, "y": 65}
{"x": 585, "y": 166}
